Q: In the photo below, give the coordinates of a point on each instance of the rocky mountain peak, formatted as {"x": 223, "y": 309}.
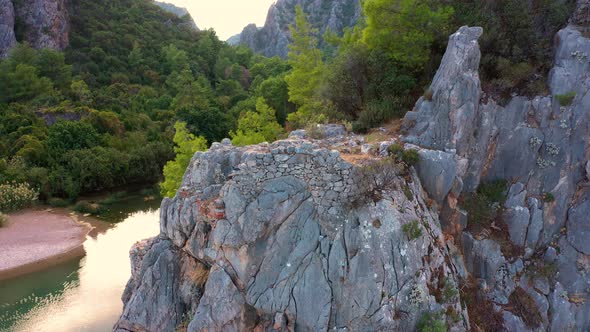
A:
{"x": 273, "y": 38}
{"x": 181, "y": 12}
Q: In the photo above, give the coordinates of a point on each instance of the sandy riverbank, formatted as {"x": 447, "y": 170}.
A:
{"x": 36, "y": 239}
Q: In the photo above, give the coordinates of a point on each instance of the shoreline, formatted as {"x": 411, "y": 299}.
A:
{"x": 36, "y": 239}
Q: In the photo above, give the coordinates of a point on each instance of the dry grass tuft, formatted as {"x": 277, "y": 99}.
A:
{"x": 199, "y": 275}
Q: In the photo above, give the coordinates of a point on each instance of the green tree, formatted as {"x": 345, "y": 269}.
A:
{"x": 23, "y": 83}
{"x": 276, "y": 94}
{"x": 305, "y": 77}
{"x": 257, "y": 126}
{"x": 71, "y": 135}
{"x": 406, "y": 29}
{"x": 186, "y": 146}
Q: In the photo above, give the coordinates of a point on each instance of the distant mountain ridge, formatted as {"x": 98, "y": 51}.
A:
{"x": 178, "y": 11}
{"x": 273, "y": 38}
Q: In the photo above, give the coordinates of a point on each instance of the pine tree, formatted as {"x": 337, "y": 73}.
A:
{"x": 256, "y": 127}
{"x": 306, "y": 60}
{"x": 186, "y": 146}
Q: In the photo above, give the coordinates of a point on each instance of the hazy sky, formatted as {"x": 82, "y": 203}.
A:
{"x": 226, "y": 17}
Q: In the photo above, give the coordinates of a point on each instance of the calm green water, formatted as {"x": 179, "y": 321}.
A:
{"x": 84, "y": 294}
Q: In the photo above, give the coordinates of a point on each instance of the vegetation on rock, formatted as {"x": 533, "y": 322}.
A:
{"x": 412, "y": 230}
{"x": 186, "y": 146}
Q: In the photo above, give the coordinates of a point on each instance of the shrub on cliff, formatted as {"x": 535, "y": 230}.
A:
{"x": 15, "y": 196}
{"x": 410, "y": 157}
{"x": 484, "y": 205}
{"x": 431, "y": 322}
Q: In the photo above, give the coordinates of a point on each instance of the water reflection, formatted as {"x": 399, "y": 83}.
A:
{"x": 83, "y": 295}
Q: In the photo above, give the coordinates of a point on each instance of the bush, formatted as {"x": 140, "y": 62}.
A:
{"x": 58, "y": 202}
{"x": 566, "y": 99}
{"x": 88, "y": 207}
{"x": 412, "y": 230}
{"x": 524, "y": 306}
{"x": 3, "y": 220}
{"x": 449, "y": 291}
{"x": 377, "y": 112}
{"x": 431, "y": 322}
{"x": 16, "y": 196}
{"x": 314, "y": 131}
{"x": 113, "y": 198}
{"x": 377, "y": 177}
{"x": 483, "y": 206}
{"x": 428, "y": 94}
{"x": 409, "y": 157}
{"x": 548, "y": 198}
{"x": 395, "y": 150}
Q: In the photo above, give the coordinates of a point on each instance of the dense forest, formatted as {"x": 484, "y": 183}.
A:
{"x": 101, "y": 114}
{"x": 139, "y": 88}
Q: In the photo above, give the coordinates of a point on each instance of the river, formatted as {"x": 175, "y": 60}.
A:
{"x": 84, "y": 294}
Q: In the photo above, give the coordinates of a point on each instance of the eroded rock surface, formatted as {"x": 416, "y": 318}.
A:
{"x": 7, "y": 37}
{"x": 292, "y": 241}
{"x": 541, "y": 147}
{"x": 46, "y": 22}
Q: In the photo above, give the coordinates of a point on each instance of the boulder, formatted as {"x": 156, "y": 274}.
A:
{"x": 437, "y": 171}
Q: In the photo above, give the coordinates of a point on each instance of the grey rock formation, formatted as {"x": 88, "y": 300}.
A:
{"x": 581, "y": 17}
{"x": 287, "y": 249}
{"x": 46, "y": 22}
{"x": 7, "y": 37}
{"x": 181, "y": 12}
{"x": 273, "y": 38}
{"x": 437, "y": 171}
{"x": 538, "y": 145}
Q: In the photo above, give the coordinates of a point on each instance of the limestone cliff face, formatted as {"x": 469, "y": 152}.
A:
{"x": 540, "y": 146}
{"x": 290, "y": 241}
{"x": 273, "y": 38}
{"x": 181, "y": 12}
{"x": 7, "y": 37}
{"x": 46, "y": 23}
{"x": 41, "y": 23}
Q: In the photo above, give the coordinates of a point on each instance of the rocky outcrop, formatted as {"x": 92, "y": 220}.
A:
{"x": 180, "y": 12}
{"x": 294, "y": 238}
{"x": 581, "y": 17}
{"x": 41, "y": 23}
{"x": 7, "y": 37}
{"x": 45, "y": 23}
{"x": 541, "y": 146}
{"x": 273, "y": 39}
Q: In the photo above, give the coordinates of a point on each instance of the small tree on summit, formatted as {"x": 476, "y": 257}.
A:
{"x": 186, "y": 146}
{"x": 306, "y": 60}
{"x": 257, "y": 126}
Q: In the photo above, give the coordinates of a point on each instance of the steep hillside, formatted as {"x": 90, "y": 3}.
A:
{"x": 101, "y": 113}
{"x": 273, "y": 38}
